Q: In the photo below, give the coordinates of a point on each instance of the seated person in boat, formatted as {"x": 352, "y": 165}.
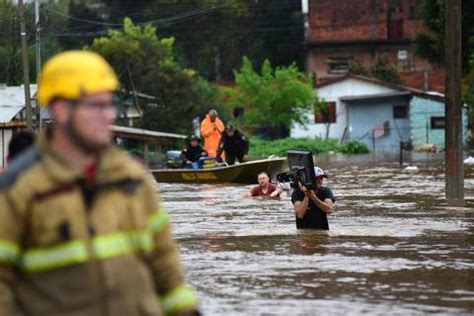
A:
{"x": 234, "y": 144}
{"x": 264, "y": 188}
{"x": 193, "y": 151}
{"x": 311, "y": 206}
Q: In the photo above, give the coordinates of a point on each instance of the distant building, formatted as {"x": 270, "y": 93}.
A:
{"x": 342, "y": 32}
{"x": 12, "y": 115}
{"x": 379, "y": 114}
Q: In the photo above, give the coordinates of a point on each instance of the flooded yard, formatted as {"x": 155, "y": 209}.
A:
{"x": 394, "y": 246}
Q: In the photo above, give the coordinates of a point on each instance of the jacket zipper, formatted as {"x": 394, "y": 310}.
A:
{"x": 99, "y": 277}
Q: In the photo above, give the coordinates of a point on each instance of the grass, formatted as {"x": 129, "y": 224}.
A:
{"x": 264, "y": 148}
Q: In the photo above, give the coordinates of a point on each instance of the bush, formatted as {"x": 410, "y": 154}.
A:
{"x": 263, "y": 148}
{"x": 354, "y": 147}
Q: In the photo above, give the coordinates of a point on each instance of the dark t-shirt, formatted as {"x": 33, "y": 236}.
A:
{"x": 314, "y": 217}
{"x": 257, "y": 190}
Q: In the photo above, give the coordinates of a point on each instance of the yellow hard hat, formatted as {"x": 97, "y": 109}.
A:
{"x": 72, "y": 74}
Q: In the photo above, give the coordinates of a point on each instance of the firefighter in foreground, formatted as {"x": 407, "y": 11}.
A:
{"x": 81, "y": 230}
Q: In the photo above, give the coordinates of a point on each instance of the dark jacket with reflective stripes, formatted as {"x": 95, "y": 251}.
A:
{"x": 68, "y": 247}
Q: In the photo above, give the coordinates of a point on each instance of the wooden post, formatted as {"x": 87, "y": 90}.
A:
{"x": 147, "y": 161}
{"x": 26, "y": 65}
{"x": 453, "y": 110}
{"x": 373, "y": 139}
{"x": 401, "y": 154}
{"x": 427, "y": 133}
{"x": 38, "y": 59}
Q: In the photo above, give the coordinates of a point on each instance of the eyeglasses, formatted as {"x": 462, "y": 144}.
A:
{"x": 99, "y": 105}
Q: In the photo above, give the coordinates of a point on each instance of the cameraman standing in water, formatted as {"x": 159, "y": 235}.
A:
{"x": 311, "y": 206}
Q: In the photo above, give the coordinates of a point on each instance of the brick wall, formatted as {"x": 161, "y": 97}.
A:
{"x": 416, "y": 79}
{"x": 349, "y": 20}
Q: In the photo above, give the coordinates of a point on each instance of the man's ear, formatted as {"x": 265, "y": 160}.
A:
{"x": 61, "y": 111}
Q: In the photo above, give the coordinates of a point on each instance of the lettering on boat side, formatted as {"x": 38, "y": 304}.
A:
{"x": 199, "y": 176}
{"x": 188, "y": 176}
{"x": 206, "y": 176}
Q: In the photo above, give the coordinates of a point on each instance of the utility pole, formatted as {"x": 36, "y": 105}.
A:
{"x": 454, "y": 171}
{"x": 38, "y": 58}
{"x": 26, "y": 66}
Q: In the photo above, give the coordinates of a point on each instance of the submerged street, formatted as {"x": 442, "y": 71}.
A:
{"x": 394, "y": 246}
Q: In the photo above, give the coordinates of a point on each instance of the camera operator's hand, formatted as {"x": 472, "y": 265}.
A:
{"x": 309, "y": 193}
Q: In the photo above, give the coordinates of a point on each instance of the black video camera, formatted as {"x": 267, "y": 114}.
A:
{"x": 300, "y": 163}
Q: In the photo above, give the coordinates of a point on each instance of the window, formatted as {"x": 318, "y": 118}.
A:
{"x": 394, "y": 29}
{"x": 395, "y": 6}
{"x": 400, "y": 112}
{"x": 413, "y": 14}
{"x": 437, "y": 122}
{"x": 339, "y": 65}
{"x": 328, "y": 116}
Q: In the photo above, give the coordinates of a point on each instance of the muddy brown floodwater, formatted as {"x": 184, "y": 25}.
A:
{"x": 394, "y": 246}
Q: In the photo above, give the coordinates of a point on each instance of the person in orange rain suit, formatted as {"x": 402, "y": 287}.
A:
{"x": 211, "y": 129}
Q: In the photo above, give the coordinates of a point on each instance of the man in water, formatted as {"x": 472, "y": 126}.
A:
{"x": 211, "y": 129}
{"x": 234, "y": 144}
{"x": 311, "y": 206}
{"x": 264, "y": 187}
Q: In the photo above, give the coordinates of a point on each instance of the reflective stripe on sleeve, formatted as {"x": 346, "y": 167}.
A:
{"x": 155, "y": 224}
{"x": 179, "y": 299}
{"x": 158, "y": 220}
{"x": 9, "y": 251}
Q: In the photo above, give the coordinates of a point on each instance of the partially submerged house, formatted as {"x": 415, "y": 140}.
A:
{"x": 341, "y": 33}
{"x": 378, "y": 113}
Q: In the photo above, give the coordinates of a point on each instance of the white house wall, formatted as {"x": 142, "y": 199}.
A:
{"x": 421, "y": 111}
{"x": 5, "y": 136}
{"x": 333, "y": 93}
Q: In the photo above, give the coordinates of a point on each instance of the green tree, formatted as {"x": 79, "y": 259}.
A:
{"x": 10, "y": 48}
{"x": 321, "y": 109}
{"x": 84, "y": 23}
{"x": 213, "y": 35}
{"x": 430, "y": 44}
{"x": 147, "y": 64}
{"x": 381, "y": 69}
{"x": 356, "y": 68}
{"x": 275, "y": 98}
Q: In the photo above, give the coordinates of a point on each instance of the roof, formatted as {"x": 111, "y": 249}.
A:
{"x": 420, "y": 93}
{"x": 12, "y": 101}
{"x": 146, "y": 135}
{"x": 376, "y": 96}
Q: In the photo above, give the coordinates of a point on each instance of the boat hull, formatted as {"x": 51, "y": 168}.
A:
{"x": 245, "y": 173}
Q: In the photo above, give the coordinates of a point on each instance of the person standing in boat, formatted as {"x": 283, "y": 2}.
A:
{"x": 211, "y": 130}
{"x": 311, "y": 206}
{"x": 234, "y": 144}
{"x": 264, "y": 188}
